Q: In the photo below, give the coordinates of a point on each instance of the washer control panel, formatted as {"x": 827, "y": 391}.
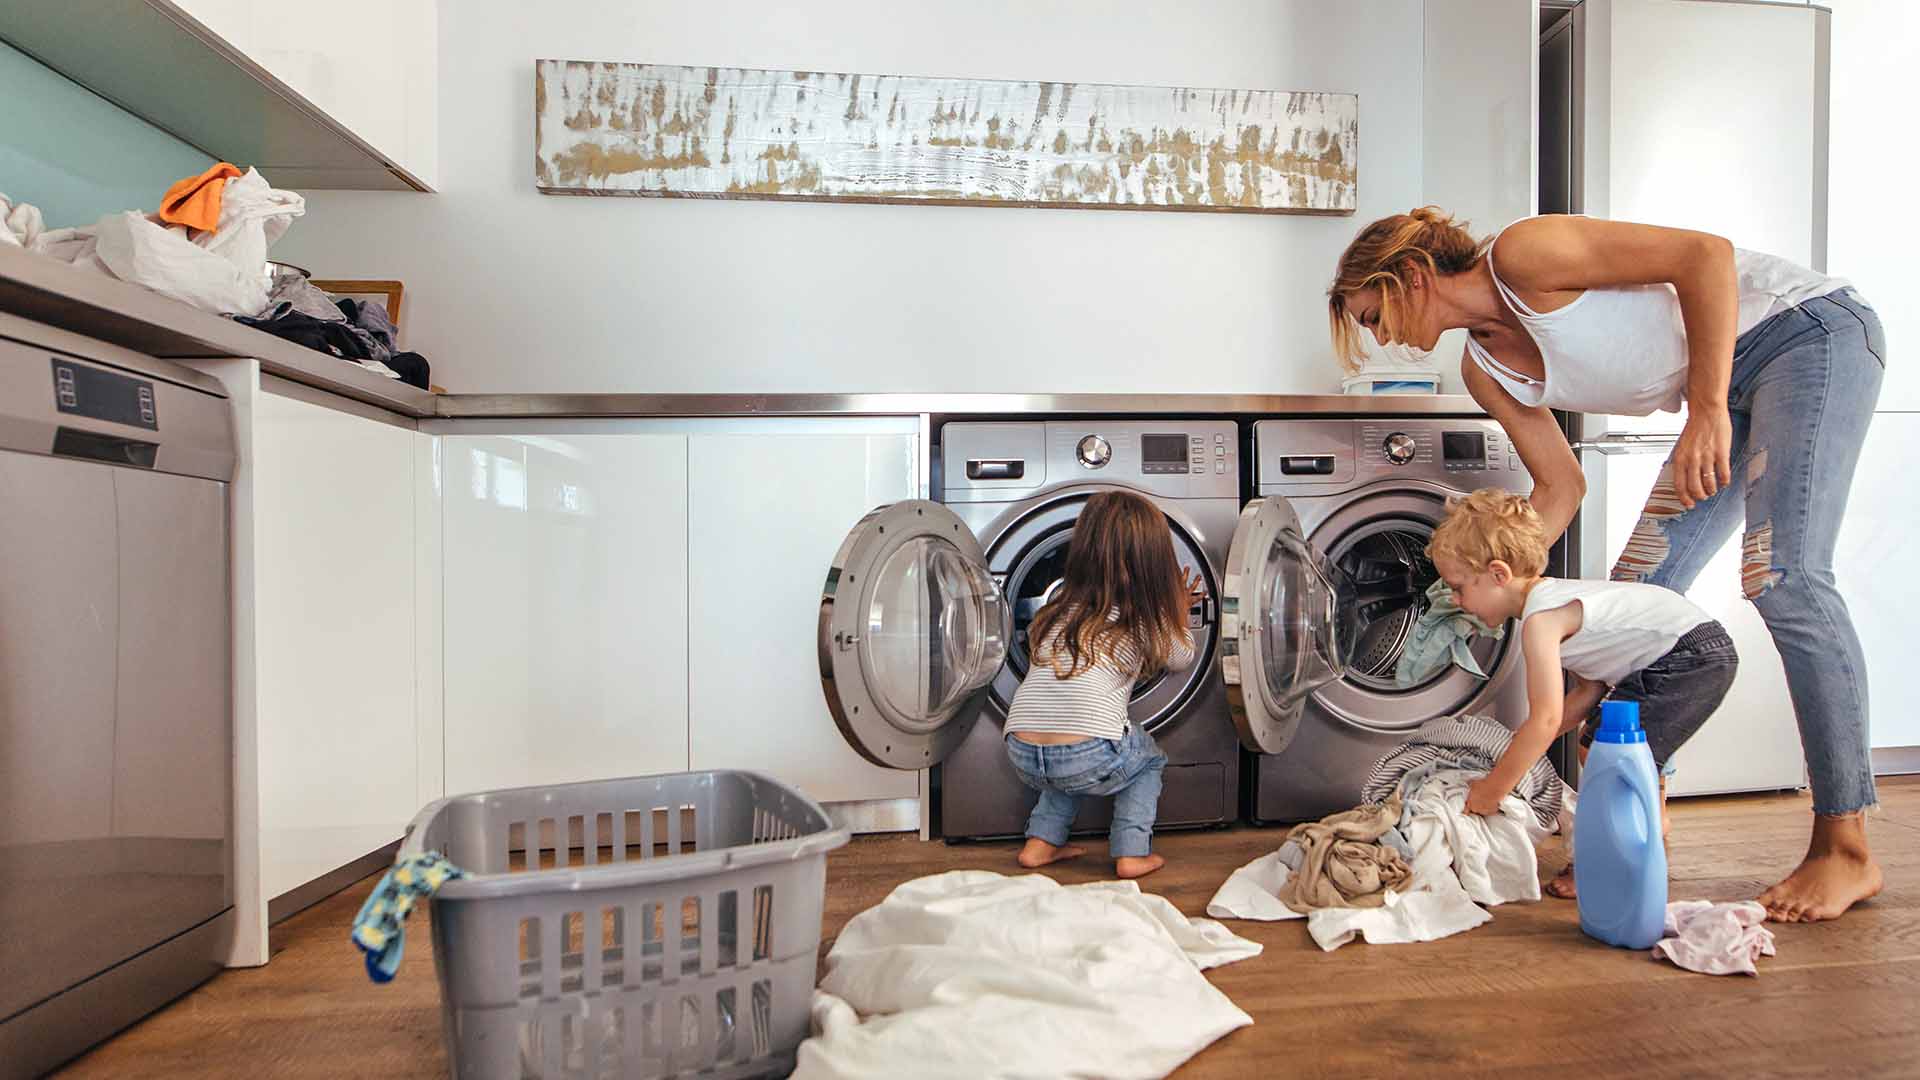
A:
{"x": 1304, "y": 455}
{"x": 1175, "y": 458}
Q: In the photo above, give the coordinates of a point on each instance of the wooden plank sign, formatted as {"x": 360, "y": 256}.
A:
{"x": 646, "y": 129}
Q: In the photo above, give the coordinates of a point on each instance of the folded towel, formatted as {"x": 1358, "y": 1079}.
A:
{"x": 378, "y": 928}
{"x": 1440, "y": 637}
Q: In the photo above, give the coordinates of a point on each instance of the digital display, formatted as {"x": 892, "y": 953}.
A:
{"x": 1164, "y": 450}
{"x": 103, "y": 395}
{"x": 1463, "y": 446}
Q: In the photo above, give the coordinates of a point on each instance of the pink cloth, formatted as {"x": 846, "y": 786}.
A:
{"x": 1715, "y": 939}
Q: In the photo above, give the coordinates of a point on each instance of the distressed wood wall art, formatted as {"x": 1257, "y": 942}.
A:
{"x": 645, "y": 129}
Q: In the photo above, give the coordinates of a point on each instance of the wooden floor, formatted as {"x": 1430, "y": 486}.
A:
{"x": 1524, "y": 994}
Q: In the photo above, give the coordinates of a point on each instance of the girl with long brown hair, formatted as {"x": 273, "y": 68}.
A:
{"x": 1118, "y": 616}
{"x": 1778, "y": 366}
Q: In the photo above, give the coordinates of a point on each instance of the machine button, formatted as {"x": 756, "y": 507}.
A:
{"x": 1220, "y": 467}
{"x": 1399, "y": 447}
{"x": 1220, "y": 451}
{"x": 1198, "y": 469}
{"x": 1094, "y": 452}
{"x": 1513, "y": 462}
{"x": 1220, "y": 438}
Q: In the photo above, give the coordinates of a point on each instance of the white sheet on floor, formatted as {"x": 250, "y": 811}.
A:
{"x": 974, "y": 974}
{"x": 1460, "y": 861}
{"x": 1715, "y": 939}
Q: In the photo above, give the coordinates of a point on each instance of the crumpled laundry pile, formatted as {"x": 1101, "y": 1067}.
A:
{"x": 207, "y": 246}
{"x": 1433, "y": 863}
{"x": 971, "y": 974}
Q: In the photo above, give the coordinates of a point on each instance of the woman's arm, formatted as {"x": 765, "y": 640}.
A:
{"x": 1558, "y": 483}
{"x": 1560, "y": 253}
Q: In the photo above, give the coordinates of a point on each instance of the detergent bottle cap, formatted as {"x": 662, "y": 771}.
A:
{"x": 1620, "y": 723}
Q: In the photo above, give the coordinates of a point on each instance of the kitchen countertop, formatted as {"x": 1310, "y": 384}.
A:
{"x": 105, "y": 308}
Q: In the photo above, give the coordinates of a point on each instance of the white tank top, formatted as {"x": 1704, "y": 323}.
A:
{"x": 1624, "y": 625}
{"x": 1623, "y": 349}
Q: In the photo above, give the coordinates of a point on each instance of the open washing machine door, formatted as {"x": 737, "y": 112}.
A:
{"x": 1280, "y": 620}
{"x": 912, "y": 630}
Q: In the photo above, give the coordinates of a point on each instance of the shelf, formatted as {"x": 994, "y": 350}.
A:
{"x": 160, "y": 64}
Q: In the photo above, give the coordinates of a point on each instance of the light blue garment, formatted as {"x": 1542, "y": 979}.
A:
{"x": 1621, "y": 874}
{"x": 1804, "y": 387}
{"x": 378, "y": 929}
{"x": 1129, "y": 769}
{"x": 1440, "y": 636}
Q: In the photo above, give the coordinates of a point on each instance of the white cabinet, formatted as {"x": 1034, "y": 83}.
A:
{"x": 769, "y": 511}
{"x": 1874, "y": 562}
{"x": 333, "y": 577}
{"x": 370, "y": 65}
{"x": 565, "y": 601}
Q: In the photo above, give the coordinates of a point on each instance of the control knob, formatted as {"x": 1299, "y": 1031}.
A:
{"x": 1400, "y": 448}
{"x": 1094, "y": 452}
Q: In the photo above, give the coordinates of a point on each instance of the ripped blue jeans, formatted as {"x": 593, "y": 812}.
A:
{"x": 1804, "y": 386}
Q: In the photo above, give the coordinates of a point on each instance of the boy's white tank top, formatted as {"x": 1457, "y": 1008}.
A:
{"x": 1624, "y": 625}
{"x": 1623, "y": 349}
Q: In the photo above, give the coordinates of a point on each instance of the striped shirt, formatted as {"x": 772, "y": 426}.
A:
{"x": 1094, "y": 702}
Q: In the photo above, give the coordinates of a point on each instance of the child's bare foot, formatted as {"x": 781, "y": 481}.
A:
{"x": 1039, "y": 853}
{"x": 1137, "y": 866}
{"x": 1837, "y": 873}
{"x": 1562, "y": 885}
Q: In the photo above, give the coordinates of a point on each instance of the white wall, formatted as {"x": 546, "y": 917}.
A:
{"x": 1872, "y": 160}
{"x": 509, "y": 290}
{"x": 1480, "y": 86}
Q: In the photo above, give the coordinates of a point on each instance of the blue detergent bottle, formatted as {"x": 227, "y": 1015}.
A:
{"x": 1619, "y": 860}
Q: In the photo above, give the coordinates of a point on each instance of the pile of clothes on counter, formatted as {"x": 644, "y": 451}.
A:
{"x": 207, "y": 246}
{"x": 1409, "y": 864}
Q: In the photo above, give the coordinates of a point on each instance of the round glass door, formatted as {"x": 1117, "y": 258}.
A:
{"x": 1284, "y": 609}
{"x": 912, "y": 629}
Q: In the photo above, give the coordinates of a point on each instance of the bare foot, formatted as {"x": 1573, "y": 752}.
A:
{"x": 1837, "y": 873}
{"x": 1562, "y": 885}
{"x": 1137, "y": 866}
{"x": 1039, "y": 853}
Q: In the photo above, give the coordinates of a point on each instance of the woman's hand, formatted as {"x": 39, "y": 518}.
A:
{"x": 1193, "y": 585}
{"x": 1699, "y": 461}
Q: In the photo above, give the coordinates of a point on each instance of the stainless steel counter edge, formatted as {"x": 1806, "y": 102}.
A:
{"x": 555, "y": 406}
{"x": 106, "y": 309}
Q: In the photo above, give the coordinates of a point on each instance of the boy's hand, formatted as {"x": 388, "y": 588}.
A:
{"x": 1483, "y": 797}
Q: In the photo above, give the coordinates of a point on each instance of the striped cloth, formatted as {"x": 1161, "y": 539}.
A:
{"x": 1470, "y": 742}
{"x": 1094, "y": 702}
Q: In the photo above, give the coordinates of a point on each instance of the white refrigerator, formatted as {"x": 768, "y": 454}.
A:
{"x": 1706, "y": 115}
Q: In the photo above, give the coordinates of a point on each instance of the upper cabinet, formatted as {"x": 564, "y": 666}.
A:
{"x": 340, "y": 98}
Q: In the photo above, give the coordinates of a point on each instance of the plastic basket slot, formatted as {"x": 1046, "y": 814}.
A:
{"x": 727, "y": 929}
{"x": 613, "y": 952}
{"x": 762, "y": 923}
{"x": 573, "y": 952}
{"x": 527, "y": 947}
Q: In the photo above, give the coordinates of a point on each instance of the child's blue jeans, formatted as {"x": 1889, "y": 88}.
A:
{"x": 1128, "y": 769}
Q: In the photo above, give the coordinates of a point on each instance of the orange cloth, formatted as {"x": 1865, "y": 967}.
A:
{"x": 195, "y": 201}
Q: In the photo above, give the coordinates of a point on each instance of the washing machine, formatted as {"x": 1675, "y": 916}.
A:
{"x": 922, "y": 630}
{"x": 1368, "y": 494}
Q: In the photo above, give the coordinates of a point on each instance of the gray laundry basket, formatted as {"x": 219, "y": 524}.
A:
{"x": 689, "y": 943}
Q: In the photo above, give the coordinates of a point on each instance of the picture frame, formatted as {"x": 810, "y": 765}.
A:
{"x": 385, "y": 293}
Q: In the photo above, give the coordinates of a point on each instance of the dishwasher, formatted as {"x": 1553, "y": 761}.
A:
{"x": 116, "y": 744}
